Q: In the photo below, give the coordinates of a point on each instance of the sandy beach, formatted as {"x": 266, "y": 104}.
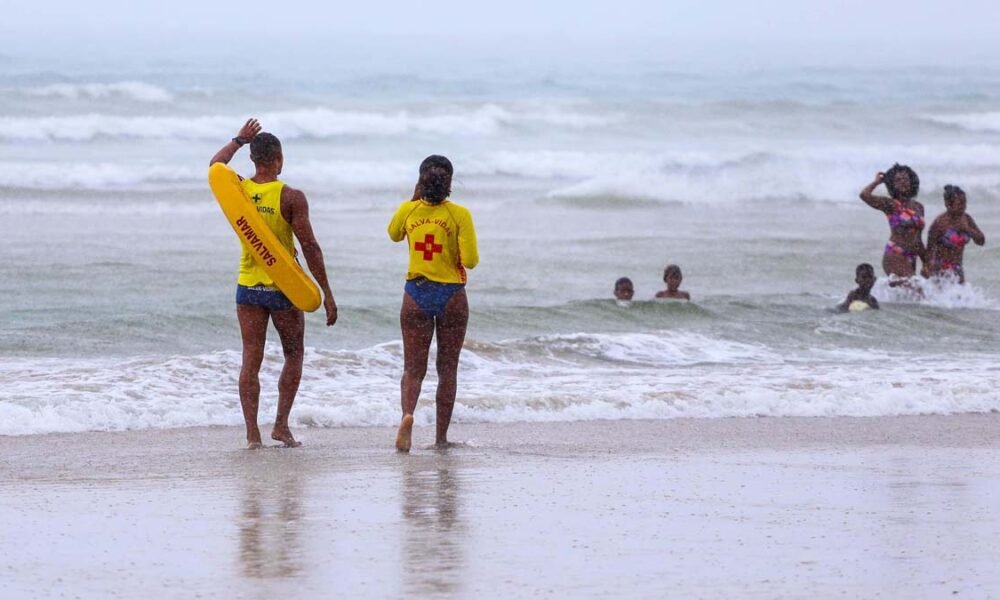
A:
{"x": 751, "y": 442}
{"x": 802, "y": 508}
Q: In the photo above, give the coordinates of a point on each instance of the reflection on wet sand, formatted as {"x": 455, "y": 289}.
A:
{"x": 913, "y": 492}
{"x": 433, "y": 527}
{"x": 270, "y": 521}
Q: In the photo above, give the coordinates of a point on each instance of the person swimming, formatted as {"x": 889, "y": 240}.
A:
{"x": 949, "y": 234}
{"x": 673, "y": 277}
{"x": 442, "y": 245}
{"x": 624, "y": 290}
{"x": 906, "y": 220}
{"x": 861, "y": 298}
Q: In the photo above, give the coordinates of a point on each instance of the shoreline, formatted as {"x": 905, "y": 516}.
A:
{"x": 972, "y": 429}
{"x": 762, "y": 507}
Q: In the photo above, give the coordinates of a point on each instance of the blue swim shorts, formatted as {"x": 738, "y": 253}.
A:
{"x": 263, "y": 295}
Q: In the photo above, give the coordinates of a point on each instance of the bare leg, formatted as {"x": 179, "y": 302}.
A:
{"x": 253, "y": 329}
{"x": 450, "y": 339}
{"x": 904, "y": 269}
{"x": 898, "y": 265}
{"x": 418, "y": 330}
{"x": 404, "y": 435}
{"x": 291, "y": 329}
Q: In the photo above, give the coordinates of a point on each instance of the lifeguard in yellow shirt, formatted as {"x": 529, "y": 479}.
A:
{"x": 285, "y": 210}
{"x": 442, "y": 245}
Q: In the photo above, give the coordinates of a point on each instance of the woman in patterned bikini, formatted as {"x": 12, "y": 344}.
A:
{"x": 906, "y": 220}
{"x": 949, "y": 234}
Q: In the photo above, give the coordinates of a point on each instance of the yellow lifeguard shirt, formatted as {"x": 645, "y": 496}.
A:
{"x": 441, "y": 238}
{"x": 267, "y": 199}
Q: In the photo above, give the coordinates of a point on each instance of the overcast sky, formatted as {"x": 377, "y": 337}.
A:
{"x": 960, "y": 29}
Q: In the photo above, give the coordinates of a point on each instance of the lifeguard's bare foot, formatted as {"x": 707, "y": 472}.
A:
{"x": 284, "y": 435}
{"x": 253, "y": 440}
{"x": 404, "y": 437}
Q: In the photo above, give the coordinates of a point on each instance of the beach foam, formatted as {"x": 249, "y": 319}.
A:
{"x": 942, "y": 292}
{"x": 317, "y": 122}
{"x": 987, "y": 122}
{"x": 690, "y": 176}
{"x": 132, "y": 90}
{"x": 559, "y": 378}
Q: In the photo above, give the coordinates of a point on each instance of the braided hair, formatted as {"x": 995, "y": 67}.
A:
{"x": 434, "y": 184}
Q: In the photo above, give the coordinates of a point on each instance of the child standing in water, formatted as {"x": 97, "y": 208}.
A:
{"x": 673, "y": 277}
{"x": 861, "y": 298}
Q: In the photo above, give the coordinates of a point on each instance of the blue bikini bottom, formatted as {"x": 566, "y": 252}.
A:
{"x": 432, "y": 297}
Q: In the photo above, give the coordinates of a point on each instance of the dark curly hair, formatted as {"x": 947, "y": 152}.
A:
{"x": 264, "y": 148}
{"x": 434, "y": 184}
{"x": 890, "y": 181}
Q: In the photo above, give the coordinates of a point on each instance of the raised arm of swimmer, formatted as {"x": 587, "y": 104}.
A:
{"x": 295, "y": 210}
{"x": 877, "y": 202}
{"x": 249, "y": 130}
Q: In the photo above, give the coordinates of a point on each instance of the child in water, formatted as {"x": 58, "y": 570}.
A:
{"x": 672, "y": 277}
{"x": 624, "y": 291}
{"x": 861, "y": 298}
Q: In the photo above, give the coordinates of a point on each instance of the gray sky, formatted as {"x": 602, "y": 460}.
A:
{"x": 960, "y": 29}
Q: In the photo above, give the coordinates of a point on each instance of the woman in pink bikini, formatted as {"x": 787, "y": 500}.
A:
{"x": 906, "y": 220}
{"x": 949, "y": 234}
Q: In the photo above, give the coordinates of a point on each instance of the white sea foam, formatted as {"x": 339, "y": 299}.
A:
{"x": 482, "y": 120}
{"x": 160, "y": 175}
{"x": 762, "y": 173}
{"x": 694, "y": 176}
{"x": 942, "y": 292}
{"x": 985, "y": 122}
{"x": 133, "y": 90}
{"x": 665, "y": 348}
{"x": 96, "y": 175}
{"x": 582, "y": 377}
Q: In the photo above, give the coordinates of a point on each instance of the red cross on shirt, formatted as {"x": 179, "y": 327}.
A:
{"x": 428, "y": 247}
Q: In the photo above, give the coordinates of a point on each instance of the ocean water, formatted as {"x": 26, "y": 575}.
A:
{"x": 117, "y": 269}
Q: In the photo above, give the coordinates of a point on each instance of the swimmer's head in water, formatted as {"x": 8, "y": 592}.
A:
{"x": 954, "y": 200}
{"x": 864, "y": 276}
{"x": 624, "y": 289}
{"x": 434, "y": 184}
{"x": 265, "y": 149}
{"x": 902, "y": 182}
{"x": 673, "y": 277}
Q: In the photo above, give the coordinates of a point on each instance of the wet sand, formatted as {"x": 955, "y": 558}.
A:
{"x": 762, "y": 508}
